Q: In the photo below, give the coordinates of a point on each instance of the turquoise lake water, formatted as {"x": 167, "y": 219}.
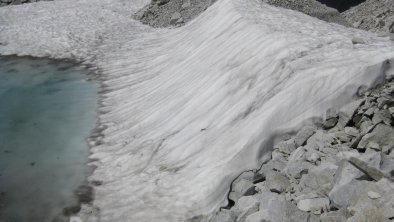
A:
{"x": 47, "y": 111}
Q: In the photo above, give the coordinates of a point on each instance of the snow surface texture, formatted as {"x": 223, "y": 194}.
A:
{"x": 188, "y": 109}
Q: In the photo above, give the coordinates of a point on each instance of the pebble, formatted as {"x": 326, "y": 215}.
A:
{"x": 373, "y": 195}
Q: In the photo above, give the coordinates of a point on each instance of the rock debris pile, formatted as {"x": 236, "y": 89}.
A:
{"x": 372, "y": 15}
{"x": 338, "y": 170}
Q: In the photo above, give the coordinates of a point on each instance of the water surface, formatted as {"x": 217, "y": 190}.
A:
{"x": 47, "y": 110}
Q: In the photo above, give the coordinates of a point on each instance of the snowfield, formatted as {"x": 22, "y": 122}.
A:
{"x": 188, "y": 109}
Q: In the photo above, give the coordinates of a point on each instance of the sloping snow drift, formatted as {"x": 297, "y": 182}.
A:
{"x": 188, "y": 109}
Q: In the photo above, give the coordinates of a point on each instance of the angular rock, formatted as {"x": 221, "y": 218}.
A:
{"x": 371, "y": 171}
{"x": 382, "y": 135}
{"x": 276, "y": 182}
{"x": 222, "y": 216}
{"x": 295, "y": 169}
{"x": 347, "y": 177}
{"x": 176, "y": 17}
{"x": 382, "y": 116}
{"x": 373, "y": 195}
{"x": 303, "y": 135}
{"x": 343, "y": 137}
{"x": 286, "y": 147}
{"x": 368, "y": 214}
{"x": 320, "y": 139}
{"x": 275, "y": 208}
{"x": 366, "y": 125}
{"x": 352, "y": 131}
{"x": 246, "y": 205}
{"x": 314, "y": 204}
{"x": 298, "y": 154}
{"x": 320, "y": 178}
{"x": 334, "y": 216}
{"x": 346, "y": 113}
{"x": 312, "y": 157}
{"x": 244, "y": 188}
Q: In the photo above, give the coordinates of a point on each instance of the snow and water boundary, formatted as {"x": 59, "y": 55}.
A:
{"x": 141, "y": 61}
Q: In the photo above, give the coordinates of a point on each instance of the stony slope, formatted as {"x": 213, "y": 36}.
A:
{"x": 339, "y": 170}
{"x": 372, "y": 15}
{"x": 185, "y": 110}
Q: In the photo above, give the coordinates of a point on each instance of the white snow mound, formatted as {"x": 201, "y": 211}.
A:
{"x": 188, "y": 109}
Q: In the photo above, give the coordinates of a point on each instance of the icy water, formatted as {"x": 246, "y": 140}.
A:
{"x": 47, "y": 110}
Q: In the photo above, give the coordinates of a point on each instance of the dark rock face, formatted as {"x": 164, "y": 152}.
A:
{"x": 341, "y": 5}
{"x": 17, "y": 2}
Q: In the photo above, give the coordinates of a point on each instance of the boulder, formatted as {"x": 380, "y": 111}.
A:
{"x": 346, "y": 113}
{"x": 222, "y": 216}
{"x": 241, "y": 188}
{"x": 286, "y": 147}
{"x": 335, "y": 216}
{"x": 275, "y": 208}
{"x": 346, "y": 180}
{"x": 382, "y": 135}
{"x": 298, "y": 154}
{"x": 319, "y": 179}
{"x": 303, "y": 135}
{"x": 295, "y": 169}
{"x": 246, "y": 205}
{"x": 381, "y": 116}
{"x": 176, "y": 18}
{"x": 276, "y": 182}
{"x": 314, "y": 204}
{"x": 320, "y": 139}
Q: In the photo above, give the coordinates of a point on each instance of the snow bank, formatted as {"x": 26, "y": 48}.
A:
{"x": 188, "y": 109}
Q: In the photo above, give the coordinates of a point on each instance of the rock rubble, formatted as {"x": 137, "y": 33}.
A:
{"x": 339, "y": 170}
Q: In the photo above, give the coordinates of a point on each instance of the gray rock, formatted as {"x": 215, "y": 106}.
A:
{"x": 382, "y": 116}
{"x": 335, "y": 216}
{"x": 286, "y": 147}
{"x": 371, "y": 171}
{"x": 343, "y": 137}
{"x": 346, "y": 113}
{"x": 320, "y": 139}
{"x": 275, "y": 208}
{"x": 276, "y": 182}
{"x": 382, "y": 135}
{"x": 222, "y": 216}
{"x": 298, "y": 154}
{"x": 366, "y": 125}
{"x": 160, "y": 2}
{"x": 314, "y": 204}
{"x": 295, "y": 169}
{"x": 373, "y": 195}
{"x": 303, "y": 135}
{"x": 341, "y": 194}
{"x": 176, "y": 17}
{"x": 346, "y": 182}
{"x": 241, "y": 188}
{"x": 312, "y": 157}
{"x": 368, "y": 214}
{"x": 277, "y": 165}
{"x": 352, "y": 131}
{"x": 319, "y": 179}
{"x": 358, "y": 40}
{"x": 246, "y": 205}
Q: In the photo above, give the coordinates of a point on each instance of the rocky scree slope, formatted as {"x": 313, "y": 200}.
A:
{"x": 341, "y": 169}
{"x": 165, "y": 13}
{"x": 372, "y": 15}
